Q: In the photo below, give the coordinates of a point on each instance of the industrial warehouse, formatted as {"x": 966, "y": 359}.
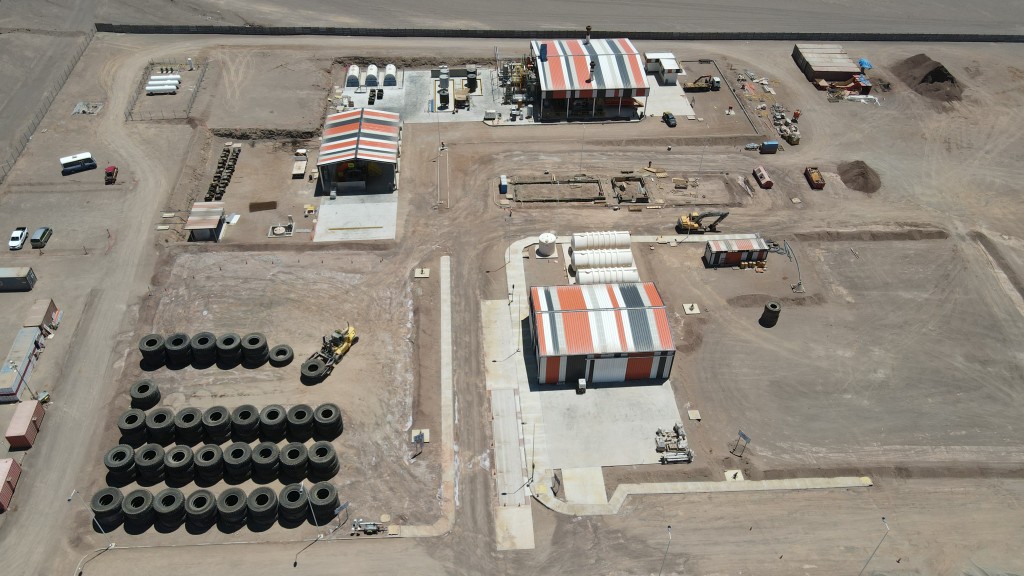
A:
{"x": 417, "y": 294}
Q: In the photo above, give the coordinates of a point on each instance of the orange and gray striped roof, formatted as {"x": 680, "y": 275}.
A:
{"x": 362, "y": 134}
{"x": 600, "y": 319}
{"x": 618, "y": 70}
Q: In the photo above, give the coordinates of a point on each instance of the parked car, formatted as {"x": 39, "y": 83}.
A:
{"x": 41, "y": 236}
{"x": 669, "y": 118}
{"x": 18, "y": 238}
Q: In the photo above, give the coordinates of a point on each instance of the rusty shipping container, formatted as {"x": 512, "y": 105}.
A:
{"x": 43, "y": 314}
{"x": 10, "y": 472}
{"x": 25, "y": 424}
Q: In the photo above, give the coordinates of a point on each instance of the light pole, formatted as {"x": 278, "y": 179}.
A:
{"x": 93, "y": 514}
{"x": 14, "y": 366}
{"x": 876, "y": 547}
{"x": 665, "y": 557}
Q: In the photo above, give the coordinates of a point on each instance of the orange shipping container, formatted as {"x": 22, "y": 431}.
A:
{"x": 10, "y": 472}
{"x": 25, "y": 424}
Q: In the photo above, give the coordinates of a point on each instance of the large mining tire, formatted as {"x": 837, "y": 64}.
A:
{"x": 132, "y": 425}
{"x": 201, "y": 506}
{"x": 107, "y": 502}
{"x": 294, "y": 458}
{"x": 323, "y": 497}
{"x": 281, "y": 355}
{"x": 323, "y": 461}
{"x": 144, "y": 394}
{"x": 273, "y": 422}
{"x": 209, "y": 462}
{"x": 138, "y": 505}
{"x": 262, "y": 504}
{"x": 179, "y": 464}
{"x": 265, "y": 460}
{"x": 327, "y": 422}
{"x": 149, "y": 459}
{"x": 245, "y": 423}
{"x": 238, "y": 460}
{"x": 120, "y": 459}
{"x": 231, "y": 505}
{"x": 217, "y": 424}
{"x": 160, "y": 424}
{"x": 229, "y": 347}
{"x": 313, "y": 369}
{"x": 300, "y": 422}
{"x": 254, "y": 347}
{"x": 293, "y": 503}
{"x": 204, "y": 348}
{"x": 153, "y": 349}
{"x": 188, "y": 424}
{"x": 179, "y": 348}
{"x": 169, "y": 506}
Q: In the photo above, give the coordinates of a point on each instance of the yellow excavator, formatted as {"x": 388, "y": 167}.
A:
{"x": 333, "y": 349}
{"x": 693, "y": 222}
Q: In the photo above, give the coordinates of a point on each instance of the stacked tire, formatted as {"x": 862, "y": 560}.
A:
{"x": 169, "y": 508}
{"x": 179, "y": 465}
{"x": 160, "y": 426}
{"x": 229, "y": 349}
{"x": 153, "y": 351}
{"x": 201, "y": 509}
{"x": 144, "y": 394}
{"x": 106, "y": 507}
{"x": 120, "y": 463}
{"x": 262, "y": 505}
{"x": 138, "y": 507}
{"x": 217, "y": 425}
{"x": 237, "y": 463}
{"x": 132, "y": 425}
{"x": 209, "y": 464}
{"x": 204, "y": 349}
{"x": 254, "y": 349}
{"x": 323, "y": 461}
{"x": 293, "y": 461}
{"x": 313, "y": 370}
{"x": 245, "y": 423}
{"x": 323, "y": 499}
{"x": 149, "y": 464}
{"x": 327, "y": 423}
{"x": 293, "y": 504}
{"x": 273, "y": 423}
{"x": 265, "y": 462}
{"x": 231, "y": 507}
{"x": 178, "y": 349}
{"x": 188, "y": 426}
{"x": 300, "y": 423}
{"x": 281, "y": 356}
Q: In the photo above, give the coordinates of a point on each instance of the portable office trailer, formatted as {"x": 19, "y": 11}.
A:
{"x": 762, "y": 177}
{"x": 17, "y": 367}
{"x": 25, "y": 424}
{"x": 719, "y": 253}
{"x": 10, "y": 472}
{"x": 17, "y": 279}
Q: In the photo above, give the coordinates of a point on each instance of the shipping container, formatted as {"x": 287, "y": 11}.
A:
{"x": 24, "y": 426}
{"x": 10, "y": 473}
{"x": 17, "y": 367}
{"x": 762, "y": 177}
{"x": 769, "y": 147}
{"x": 17, "y": 279}
{"x": 718, "y": 253}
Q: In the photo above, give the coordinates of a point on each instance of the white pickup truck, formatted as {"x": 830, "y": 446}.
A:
{"x": 18, "y": 238}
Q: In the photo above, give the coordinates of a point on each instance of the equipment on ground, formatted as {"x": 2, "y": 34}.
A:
{"x": 672, "y": 445}
{"x": 367, "y": 527}
{"x": 110, "y": 175}
{"x": 693, "y": 222}
{"x": 334, "y": 347}
{"x": 299, "y": 160}
{"x": 814, "y": 177}
{"x": 704, "y": 84}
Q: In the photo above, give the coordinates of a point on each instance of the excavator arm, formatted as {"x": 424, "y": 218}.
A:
{"x": 719, "y": 216}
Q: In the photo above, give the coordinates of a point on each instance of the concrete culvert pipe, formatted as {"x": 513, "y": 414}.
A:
{"x": 770, "y": 316}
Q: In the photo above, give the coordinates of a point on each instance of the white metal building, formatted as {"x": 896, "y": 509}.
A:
{"x": 664, "y": 66}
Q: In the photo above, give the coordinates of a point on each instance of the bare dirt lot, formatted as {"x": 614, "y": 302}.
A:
{"x": 898, "y": 361}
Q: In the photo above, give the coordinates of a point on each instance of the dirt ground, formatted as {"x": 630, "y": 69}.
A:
{"x": 897, "y": 362}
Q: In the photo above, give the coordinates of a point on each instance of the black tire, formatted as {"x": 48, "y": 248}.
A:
{"x": 120, "y": 459}
{"x": 132, "y": 425}
{"x": 204, "y": 348}
{"x": 179, "y": 348}
{"x": 209, "y": 462}
{"x": 323, "y": 497}
{"x": 254, "y": 345}
{"x": 179, "y": 464}
{"x": 293, "y": 502}
{"x": 160, "y": 424}
{"x": 231, "y": 505}
{"x": 169, "y": 506}
{"x": 294, "y": 459}
{"x": 273, "y": 422}
{"x": 323, "y": 461}
{"x": 188, "y": 424}
{"x": 245, "y": 423}
{"x": 281, "y": 355}
{"x": 300, "y": 422}
{"x": 201, "y": 506}
{"x": 265, "y": 460}
{"x": 149, "y": 459}
{"x": 313, "y": 369}
{"x": 229, "y": 347}
{"x": 262, "y": 504}
{"x": 217, "y": 424}
{"x": 144, "y": 394}
{"x": 138, "y": 506}
{"x": 327, "y": 422}
{"x": 106, "y": 502}
{"x": 238, "y": 461}
{"x": 153, "y": 349}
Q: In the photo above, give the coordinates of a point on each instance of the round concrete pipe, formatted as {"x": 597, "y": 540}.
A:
{"x": 770, "y": 316}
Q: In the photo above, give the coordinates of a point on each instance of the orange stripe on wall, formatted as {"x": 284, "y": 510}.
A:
{"x": 551, "y": 370}
{"x": 639, "y": 368}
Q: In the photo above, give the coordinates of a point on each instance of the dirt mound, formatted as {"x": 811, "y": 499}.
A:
{"x": 857, "y": 175}
{"x": 929, "y": 78}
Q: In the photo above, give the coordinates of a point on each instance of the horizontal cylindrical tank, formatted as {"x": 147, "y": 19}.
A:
{"x": 607, "y": 275}
{"x": 163, "y": 82}
{"x": 165, "y": 77}
{"x": 602, "y": 259}
{"x": 600, "y": 240}
{"x": 352, "y": 78}
{"x": 390, "y": 75}
{"x": 546, "y": 244}
{"x": 161, "y": 89}
{"x": 371, "y": 75}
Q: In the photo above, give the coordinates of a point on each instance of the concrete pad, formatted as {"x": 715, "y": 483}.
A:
{"x": 584, "y": 486}
{"x": 667, "y": 99}
{"x": 514, "y": 528}
{"x": 510, "y": 471}
{"x": 358, "y": 217}
{"x": 607, "y": 426}
{"x": 500, "y": 357}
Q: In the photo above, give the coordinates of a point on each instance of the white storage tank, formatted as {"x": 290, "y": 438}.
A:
{"x": 546, "y": 245}
{"x": 602, "y": 259}
{"x": 165, "y": 77}
{"x": 607, "y": 275}
{"x": 163, "y": 82}
{"x": 352, "y": 78}
{"x": 600, "y": 241}
{"x": 390, "y": 75}
{"x": 371, "y": 75}
{"x": 161, "y": 89}
{"x": 442, "y": 78}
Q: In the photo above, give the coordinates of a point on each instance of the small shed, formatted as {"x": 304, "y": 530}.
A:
{"x": 205, "y": 222}
{"x": 664, "y": 66}
{"x": 10, "y": 472}
{"x": 45, "y": 315}
{"x": 17, "y": 367}
{"x": 763, "y": 179}
{"x": 718, "y": 253}
{"x": 24, "y": 426}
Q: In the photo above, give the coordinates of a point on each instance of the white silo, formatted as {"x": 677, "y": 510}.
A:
{"x": 546, "y": 245}
{"x": 607, "y": 275}
{"x": 371, "y": 75}
{"x": 442, "y": 77}
{"x": 600, "y": 241}
{"x": 390, "y": 75}
{"x": 352, "y": 78}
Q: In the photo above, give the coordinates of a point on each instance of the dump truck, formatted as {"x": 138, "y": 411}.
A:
{"x": 814, "y": 177}
{"x": 333, "y": 348}
{"x": 693, "y": 222}
{"x": 704, "y": 84}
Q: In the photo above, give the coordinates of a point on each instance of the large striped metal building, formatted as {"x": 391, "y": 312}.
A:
{"x": 600, "y": 332}
{"x": 359, "y": 150}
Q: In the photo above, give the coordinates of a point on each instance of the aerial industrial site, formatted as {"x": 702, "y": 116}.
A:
{"x": 654, "y": 289}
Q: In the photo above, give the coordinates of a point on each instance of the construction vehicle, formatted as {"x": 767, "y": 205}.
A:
{"x": 693, "y": 222}
{"x": 704, "y": 84}
{"x": 814, "y": 177}
{"x": 110, "y": 175}
{"x": 367, "y": 527}
{"x": 321, "y": 363}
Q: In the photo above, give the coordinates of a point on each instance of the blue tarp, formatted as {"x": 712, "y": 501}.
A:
{"x": 865, "y": 64}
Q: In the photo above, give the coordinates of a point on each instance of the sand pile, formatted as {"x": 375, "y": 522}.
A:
{"x": 859, "y": 176}
{"x": 929, "y": 78}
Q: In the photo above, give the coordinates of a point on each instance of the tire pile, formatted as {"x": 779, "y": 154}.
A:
{"x": 205, "y": 349}
{"x": 158, "y": 447}
{"x": 222, "y": 177}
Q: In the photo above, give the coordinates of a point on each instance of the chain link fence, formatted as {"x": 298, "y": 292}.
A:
{"x": 7, "y": 164}
{"x": 131, "y": 114}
